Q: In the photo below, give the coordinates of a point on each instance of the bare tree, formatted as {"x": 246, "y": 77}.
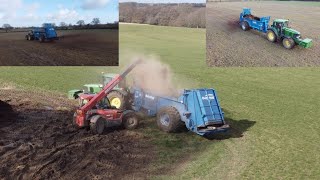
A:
{"x": 95, "y": 21}
{"x": 81, "y": 22}
{"x": 63, "y": 24}
{"x": 7, "y": 27}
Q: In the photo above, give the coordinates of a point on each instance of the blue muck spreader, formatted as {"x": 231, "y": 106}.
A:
{"x": 278, "y": 31}
{"x": 198, "y": 110}
{"x": 46, "y": 33}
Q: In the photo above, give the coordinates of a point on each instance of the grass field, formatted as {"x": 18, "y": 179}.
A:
{"x": 273, "y": 111}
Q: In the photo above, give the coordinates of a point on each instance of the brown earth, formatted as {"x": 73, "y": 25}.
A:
{"x": 75, "y": 48}
{"x": 228, "y": 45}
{"x": 37, "y": 141}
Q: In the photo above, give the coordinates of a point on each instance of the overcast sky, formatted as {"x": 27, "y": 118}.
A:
{"x": 35, "y": 12}
{"x": 165, "y": 1}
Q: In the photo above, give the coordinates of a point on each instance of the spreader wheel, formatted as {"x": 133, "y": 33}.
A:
{"x": 244, "y": 26}
{"x": 271, "y": 36}
{"x": 168, "y": 119}
{"x": 41, "y": 39}
{"x": 288, "y": 43}
{"x": 97, "y": 124}
{"x": 130, "y": 120}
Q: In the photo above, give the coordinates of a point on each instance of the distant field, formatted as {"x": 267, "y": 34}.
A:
{"x": 76, "y": 47}
{"x": 273, "y": 111}
{"x": 228, "y": 45}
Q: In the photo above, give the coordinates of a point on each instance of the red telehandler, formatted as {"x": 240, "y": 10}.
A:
{"x": 96, "y": 113}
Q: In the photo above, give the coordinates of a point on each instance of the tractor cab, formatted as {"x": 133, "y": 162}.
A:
{"x": 106, "y": 78}
{"x": 280, "y": 24}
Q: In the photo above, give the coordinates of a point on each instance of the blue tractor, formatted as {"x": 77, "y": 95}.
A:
{"x": 46, "y": 33}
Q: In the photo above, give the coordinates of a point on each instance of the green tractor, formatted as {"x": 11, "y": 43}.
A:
{"x": 280, "y": 31}
{"x": 117, "y": 97}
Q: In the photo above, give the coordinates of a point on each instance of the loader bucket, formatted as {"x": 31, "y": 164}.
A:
{"x": 306, "y": 43}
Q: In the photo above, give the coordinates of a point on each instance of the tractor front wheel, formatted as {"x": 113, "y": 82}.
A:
{"x": 244, "y": 26}
{"x": 117, "y": 99}
{"x": 130, "y": 120}
{"x": 271, "y": 36}
{"x": 168, "y": 119}
{"x": 97, "y": 124}
{"x": 288, "y": 43}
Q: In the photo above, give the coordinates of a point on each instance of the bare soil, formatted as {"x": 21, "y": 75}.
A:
{"x": 75, "y": 48}
{"x": 37, "y": 141}
{"x": 229, "y": 45}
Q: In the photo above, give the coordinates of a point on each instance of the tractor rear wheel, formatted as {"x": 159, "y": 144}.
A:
{"x": 245, "y": 26}
{"x": 169, "y": 120}
{"x": 288, "y": 43}
{"x": 130, "y": 120}
{"x": 117, "y": 99}
{"x": 97, "y": 124}
{"x": 271, "y": 36}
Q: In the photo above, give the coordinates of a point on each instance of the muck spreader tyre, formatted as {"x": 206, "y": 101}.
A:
{"x": 168, "y": 119}
{"x": 244, "y": 26}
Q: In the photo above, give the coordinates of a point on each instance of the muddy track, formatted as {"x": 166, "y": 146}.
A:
{"x": 37, "y": 141}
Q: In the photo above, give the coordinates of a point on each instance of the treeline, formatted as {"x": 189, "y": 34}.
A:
{"x": 64, "y": 26}
{"x": 191, "y": 15}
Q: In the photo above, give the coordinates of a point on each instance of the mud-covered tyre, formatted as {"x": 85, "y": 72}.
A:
{"x": 169, "y": 120}
{"x": 97, "y": 124}
{"x": 271, "y": 36}
{"x": 41, "y": 39}
{"x": 130, "y": 120}
{"x": 244, "y": 25}
{"x": 117, "y": 99}
{"x": 288, "y": 43}
{"x": 74, "y": 123}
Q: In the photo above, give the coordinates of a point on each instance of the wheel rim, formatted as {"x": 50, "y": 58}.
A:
{"x": 243, "y": 26}
{"x": 164, "y": 119}
{"x": 115, "y": 102}
{"x": 271, "y": 36}
{"x": 287, "y": 43}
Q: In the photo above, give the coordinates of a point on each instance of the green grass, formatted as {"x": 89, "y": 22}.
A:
{"x": 274, "y": 112}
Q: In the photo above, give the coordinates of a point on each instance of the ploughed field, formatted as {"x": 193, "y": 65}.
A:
{"x": 229, "y": 45}
{"x": 74, "y": 48}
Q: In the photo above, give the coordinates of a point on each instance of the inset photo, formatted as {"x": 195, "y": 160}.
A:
{"x": 59, "y": 33}
{"x": 263, "y": 33}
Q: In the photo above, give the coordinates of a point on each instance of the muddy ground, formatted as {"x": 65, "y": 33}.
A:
{"x": 75, "y": 48}
{"x": 37, "y": 141}
{"x": 228, "y": 45}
